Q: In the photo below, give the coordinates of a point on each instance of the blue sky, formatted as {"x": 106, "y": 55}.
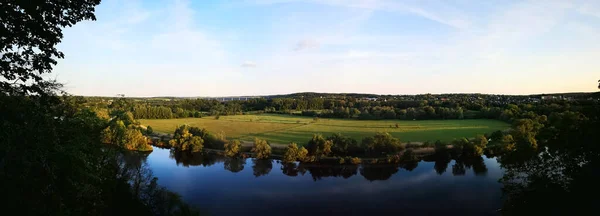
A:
{"x": 260, "y": 47}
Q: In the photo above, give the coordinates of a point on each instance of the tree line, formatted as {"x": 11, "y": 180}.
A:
{"x": 407, "y": 107}
{"x": 528, "y": 123}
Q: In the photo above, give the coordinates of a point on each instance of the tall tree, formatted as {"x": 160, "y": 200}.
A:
{"x": 30, "y": 32}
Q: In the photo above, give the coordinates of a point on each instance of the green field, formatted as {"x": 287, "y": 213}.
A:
{"x": 284, "y": 129}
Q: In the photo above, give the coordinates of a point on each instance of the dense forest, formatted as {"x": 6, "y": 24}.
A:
{"x": 357, "y": 106}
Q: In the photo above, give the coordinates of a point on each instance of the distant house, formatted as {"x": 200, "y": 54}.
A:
{"x": 551, "y": 97}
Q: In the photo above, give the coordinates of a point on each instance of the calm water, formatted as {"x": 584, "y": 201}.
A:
{"x": 224, "y": 187}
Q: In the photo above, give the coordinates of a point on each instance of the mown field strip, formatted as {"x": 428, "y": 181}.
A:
{"x": 284, "y": 129}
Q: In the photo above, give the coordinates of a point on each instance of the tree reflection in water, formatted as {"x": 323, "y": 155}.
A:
{"x": 195, "y": 159}
{"x": 374, "y": 172}
{"x": 234, "y": 165}
{"x": 261, "y": 167}
{"x": 560, "y": 179}
{"x": 371, "y": 172}
{"x": 292, "y": 169}
{"x": 442, "y": 159}
{"x": 319, "y": 171}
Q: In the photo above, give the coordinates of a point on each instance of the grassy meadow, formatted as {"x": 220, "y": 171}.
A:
{"x": 284, "y": 128}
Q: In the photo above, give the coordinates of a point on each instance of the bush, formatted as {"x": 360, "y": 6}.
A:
{"x": 303, "y": 154}
{"x": 382, "y": 143}
{"x": 319, "y": 146}
{"x": 355, "y": 160}
{"x": 232, "y": 149}
{"x": 135, "y": 140}
{"x": 291, "y": 153}
{"x": 149, "y": 130}
{"x": 261, "y": 148}
{"x": 185, "y": 141}
{"x": 343, "y": 145}
{"x": 409, "y": 155}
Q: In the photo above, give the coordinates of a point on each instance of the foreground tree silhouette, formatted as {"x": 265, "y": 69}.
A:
{"x": 30, "y": 32}
{"x": 51, "y": 158}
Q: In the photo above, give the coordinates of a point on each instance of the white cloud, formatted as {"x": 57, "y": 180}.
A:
{"x": 590, "y": 9}
{"x": 306, "y": 44}
{"x": 352, "y": 42}
{"x": 248, "y": 64}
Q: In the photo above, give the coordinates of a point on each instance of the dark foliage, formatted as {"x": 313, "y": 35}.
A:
{"x": 30, "y": 32}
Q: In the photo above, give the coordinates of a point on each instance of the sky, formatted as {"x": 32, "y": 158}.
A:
{"x": 262, "y": 47}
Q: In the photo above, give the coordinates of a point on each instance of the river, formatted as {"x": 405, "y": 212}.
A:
{"x": 221, "y": 186}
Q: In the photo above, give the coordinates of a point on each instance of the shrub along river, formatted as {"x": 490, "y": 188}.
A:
{"x": 221, "y": 186}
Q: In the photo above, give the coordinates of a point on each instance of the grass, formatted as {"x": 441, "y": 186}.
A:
{"x": 284, "y": 129}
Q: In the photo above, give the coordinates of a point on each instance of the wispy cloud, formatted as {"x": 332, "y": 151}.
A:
{"x": 452, "y": 18}
{"x": 248, "y": 64}
{"x": 373, "y": 46}
{"x": 590, "y": 9}
{"x": 306, "y": 44}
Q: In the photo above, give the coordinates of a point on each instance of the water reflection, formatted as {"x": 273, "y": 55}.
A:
{"x": 195, "y": 159}
{"x": 292, "y": 169}
{"x": 318, "y": 172}
{"x": 463, "y": 162}
{"x": 371, "y": 172}
{"x": 234, "y": 165}
{"x": 374, "y": 172}
{"x": 226, "y": 186}
{"x": 261, "y": 167}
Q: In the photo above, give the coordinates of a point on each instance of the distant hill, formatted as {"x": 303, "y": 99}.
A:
{"x": 359, "y": 95}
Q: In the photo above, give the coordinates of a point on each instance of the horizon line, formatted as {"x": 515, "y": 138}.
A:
{"x": 270, "y": 95}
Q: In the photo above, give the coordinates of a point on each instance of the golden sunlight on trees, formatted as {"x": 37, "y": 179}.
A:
{"x": 302, "y": 154}
{"x": 261, "y": 148}
{"x": 232, "y": 149}
{"x": 183, "y": 140}
{"x": 479, "y": 144}
{"x": 291, "y": 153}
{"x": 508, "y": 142}
{"x": 135, "y": 140}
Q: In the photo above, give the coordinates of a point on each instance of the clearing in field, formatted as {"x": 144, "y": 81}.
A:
{"x": 285, "y": 129}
